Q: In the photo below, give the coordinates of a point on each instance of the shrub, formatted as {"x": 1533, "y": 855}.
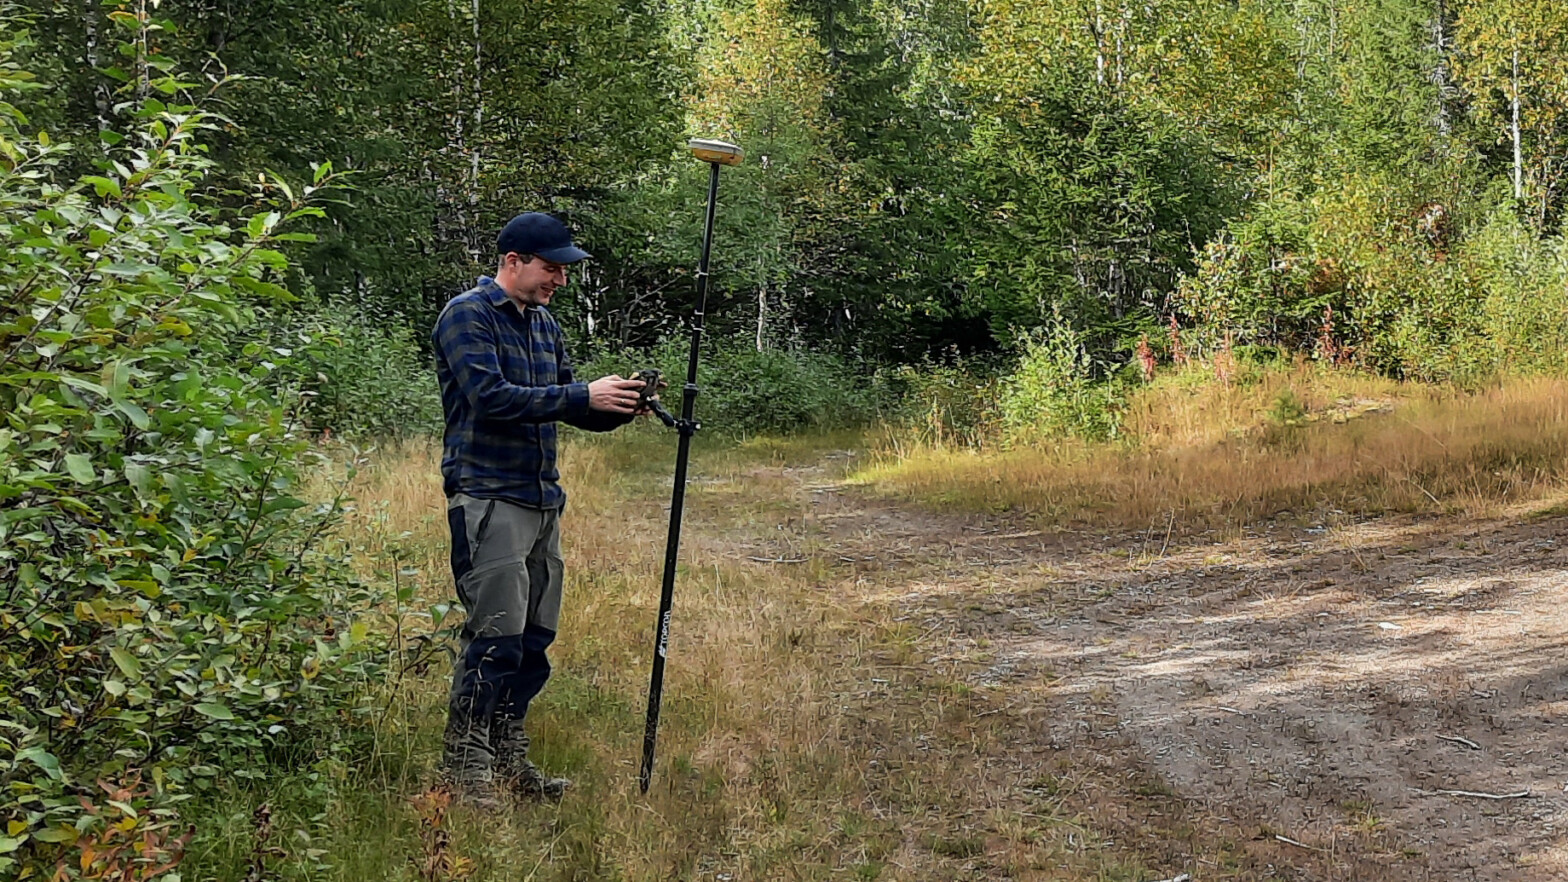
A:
{"x": 942, "y": 405}
{"x": 1054, "y": 393}
{"x": 365, "y": 374}
{"x": 165, "y": 610}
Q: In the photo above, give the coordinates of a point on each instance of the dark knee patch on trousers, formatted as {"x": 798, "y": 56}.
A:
{"x": 537, "y": 638}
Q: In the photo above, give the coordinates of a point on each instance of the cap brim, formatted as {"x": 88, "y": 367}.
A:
{"x": 569, "y": 254}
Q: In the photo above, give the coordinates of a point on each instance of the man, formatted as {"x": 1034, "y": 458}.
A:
{"x": 505, "y": 383}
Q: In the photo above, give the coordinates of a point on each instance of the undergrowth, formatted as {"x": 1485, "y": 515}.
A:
{"x": 799, "y": 738}
{"x": 1204, "y": 454}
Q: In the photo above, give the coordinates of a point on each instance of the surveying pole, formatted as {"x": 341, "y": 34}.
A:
{"x": 715, "y": 154}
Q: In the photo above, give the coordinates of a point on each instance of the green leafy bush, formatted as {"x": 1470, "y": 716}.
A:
{"x": 364, "y": 372}
{"x": 1521, "y": 284}
{"x": 745, "y": 391}
{"x": 1356, "y": 275}
{"x": 1054, "y": 393}
{"x": 166, "y": 611}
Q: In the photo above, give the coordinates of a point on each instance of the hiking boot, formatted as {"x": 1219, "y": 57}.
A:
{"x": 530, "y": 783}
{"x": 467, "y": 759}
{"x": 478, "y": 795}
{"x": 515, "y": 771}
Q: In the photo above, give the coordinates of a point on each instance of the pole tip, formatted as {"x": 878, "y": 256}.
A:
{"x": 722, "y": 152}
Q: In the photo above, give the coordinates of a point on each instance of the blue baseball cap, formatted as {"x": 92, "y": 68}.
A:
{"x": 538, "y": 233}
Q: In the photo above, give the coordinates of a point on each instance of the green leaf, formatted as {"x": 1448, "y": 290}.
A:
{"x": 126, "y": 662}
{"x": 43, "y": 759}
{"x": 80, "y": 465}
{"x": 84, "y": 385}
{"x": 57, "y": 834}
{"x": 215, "y": 710}
{"x": 139, "y": 476}
{"x": 104, "y": 186}
{"x": 134, "y": 412}
{"x": 282, "y": 184}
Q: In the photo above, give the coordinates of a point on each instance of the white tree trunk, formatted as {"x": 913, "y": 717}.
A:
{"x": 1518, "y": 141}
{"x": 100, "y": 90}
{"x": 479, "y": 116}
{"x": 143, "y": 79}
{"x": 762, "y": 312}
{"x": 1099, "y": 44}
{"x": 1442, "y": 73}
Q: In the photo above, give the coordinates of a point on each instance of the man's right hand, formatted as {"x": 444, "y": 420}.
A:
{"x": 613, "y": 394}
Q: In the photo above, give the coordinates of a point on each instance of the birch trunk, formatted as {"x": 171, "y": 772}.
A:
{"x": 100, "y": 89}
{"x": 1518, "y": 140}
{"x": 762, "y": 312}
{"x": 474, "y": 140}
{"x": 143, "y": 79}
{"x": 1442, "y": 71}
{"x": 1099, "y": 44}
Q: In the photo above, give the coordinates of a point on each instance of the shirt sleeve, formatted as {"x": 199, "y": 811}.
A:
{"x": 468, "y": 345}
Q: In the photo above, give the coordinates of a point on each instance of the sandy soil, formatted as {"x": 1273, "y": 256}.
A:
{"x": 1302, "y": 702}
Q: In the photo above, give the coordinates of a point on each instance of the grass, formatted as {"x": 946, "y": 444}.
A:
{"x": 779, "y": 758}
{"x": 1302, "y": 442}
{"x": 808, "y": 732}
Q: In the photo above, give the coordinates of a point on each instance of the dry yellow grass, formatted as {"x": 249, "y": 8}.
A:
{"x": 803, "y": 735}
{"x": 811, "y": 729}
{"x": 1207, "y": 455}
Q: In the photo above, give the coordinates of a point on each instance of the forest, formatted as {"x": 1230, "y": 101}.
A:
{"x": 1173, "y": 269}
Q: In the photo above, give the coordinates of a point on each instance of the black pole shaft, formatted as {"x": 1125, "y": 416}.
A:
{"x": 678, "y": 500}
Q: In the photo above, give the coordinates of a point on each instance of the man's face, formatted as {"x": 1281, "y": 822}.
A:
{"x": 533, "y": 283}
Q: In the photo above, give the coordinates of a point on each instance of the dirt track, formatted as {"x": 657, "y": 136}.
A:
{"x": 1268, "y": 706}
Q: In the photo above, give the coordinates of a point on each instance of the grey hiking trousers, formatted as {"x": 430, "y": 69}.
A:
{"x": 506, "y": 560}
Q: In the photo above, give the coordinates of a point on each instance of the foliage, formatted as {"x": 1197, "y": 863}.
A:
{"x": 364, "y": 374}
{"x": 1054, "y": 392}
{"x": 926, "y": 179}
{"x": 1094, "y": 208}
{"x": 168, "y": 614}
{"x": 943, "y": 404}
{"x": 1516, "y": 65}
{"x": 744, "y": 390}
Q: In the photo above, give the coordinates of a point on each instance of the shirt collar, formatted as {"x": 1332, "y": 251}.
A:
{"x": 493, "y": 292}
{"x": 498, "y": 297}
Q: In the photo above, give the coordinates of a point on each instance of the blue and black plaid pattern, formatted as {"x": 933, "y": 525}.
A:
{"x": 505, "y": 382}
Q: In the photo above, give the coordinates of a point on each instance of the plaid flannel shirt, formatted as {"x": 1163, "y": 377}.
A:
{"x": 505, "y": 382}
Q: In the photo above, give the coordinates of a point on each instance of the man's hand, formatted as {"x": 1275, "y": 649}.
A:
{"x": 613, "y": 394}
{"x": 648, "y": 396}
